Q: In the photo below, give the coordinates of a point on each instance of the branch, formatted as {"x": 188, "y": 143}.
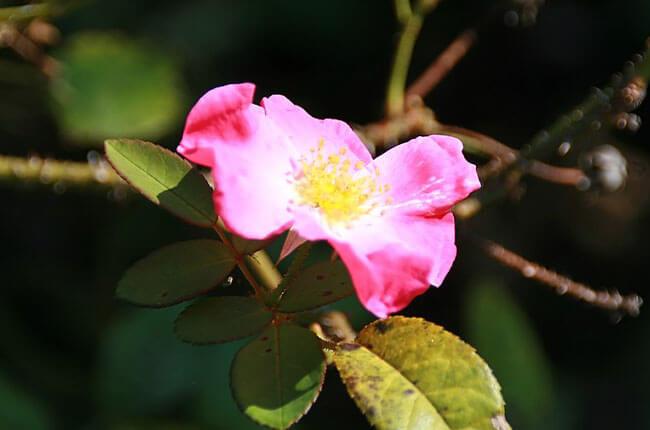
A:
{"x": 609, "y": 300}
{"x": 46, "y": 171}
{"x": 442, "y": 65}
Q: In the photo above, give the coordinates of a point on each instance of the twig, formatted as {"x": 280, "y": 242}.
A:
{"x": 47, "y": 171}
{"x": 609, "y": 300}
{"x": 420, "y": 120}
{"x": 442, "y": 65}
{"x": 27, "y": 49}
{"x": 25, "y": 12}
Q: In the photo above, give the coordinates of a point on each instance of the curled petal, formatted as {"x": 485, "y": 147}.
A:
{"x": 249, "y": 160}
{"x": 223, "y": 114}
{"x": 427, "y": 174}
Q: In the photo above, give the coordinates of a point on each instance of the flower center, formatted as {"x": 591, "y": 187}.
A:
{"x": 341, "y": 192}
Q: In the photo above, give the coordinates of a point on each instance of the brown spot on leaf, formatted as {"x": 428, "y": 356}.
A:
{"x": 409, "y": 392}
{"x": 264, "y": 338}
{"x": 320, "y": 277}
{"x": 382, "y": 326}
{"x": 268, "y": 350}
{"x": 164, "y": 294}
{"x": 327, "y": 293}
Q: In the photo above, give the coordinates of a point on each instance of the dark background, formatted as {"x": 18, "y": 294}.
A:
{"x": 72, "y": 356}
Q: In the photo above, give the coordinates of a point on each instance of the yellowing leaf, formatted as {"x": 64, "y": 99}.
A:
{"x": 407, "y": 373}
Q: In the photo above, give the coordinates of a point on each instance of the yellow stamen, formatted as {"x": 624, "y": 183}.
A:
{"x": 327, "y": 184}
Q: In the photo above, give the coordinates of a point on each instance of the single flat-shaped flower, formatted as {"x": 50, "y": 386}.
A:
{"x": 275, "y": 167}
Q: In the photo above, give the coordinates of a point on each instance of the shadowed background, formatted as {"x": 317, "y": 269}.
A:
{"x": 72, "y": 356}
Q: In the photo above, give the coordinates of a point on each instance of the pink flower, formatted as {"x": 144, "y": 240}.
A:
{"x": 275, "y": 167}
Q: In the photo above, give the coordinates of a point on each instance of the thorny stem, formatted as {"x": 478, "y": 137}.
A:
{"x": 609, "y": 300}
{"x": 45, "y": 171}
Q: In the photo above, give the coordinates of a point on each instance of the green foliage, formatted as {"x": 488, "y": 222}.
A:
{"x": 164, "y": 178}
{"x": 408, "y": 373}
{"x": 176, "y": 273}
{"x": 276, "y": 377}
{"x": 18, "y": 410}
{"x": 143, "y": 369}
{"x": 110, "y": 85}
{"x": 221, "y": 319}
{"x": 495, "y": 324}
{"x": 318, "y": 285}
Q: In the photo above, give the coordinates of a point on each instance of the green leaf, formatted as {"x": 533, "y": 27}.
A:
{"x": 164, "y": 178}
{"x": 276, "y": 378}
{"x": 408, "y": 373}
{"x": 109, "y": 85}
{"x": 176, "y": 273}
{"x": 221, "y": 319}
{"x": 318, "y": 285}
{"x": 495, "y": 323}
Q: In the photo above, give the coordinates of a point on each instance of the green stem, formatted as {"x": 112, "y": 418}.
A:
{"x": 401, "y": 63}
{"x": 258, "y": 269}
{"x": 403, "y": 10}
{"x": 265, "y": 271}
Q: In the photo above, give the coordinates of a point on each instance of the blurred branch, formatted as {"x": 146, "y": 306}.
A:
{"x": 403, "y": 10}
{"x": 625, "y": 93}
{"x": 609, "y": 300}
{"x": 442, "y": 65}
{"x": 336, "y": 326}
{"x": 12, "y": 38}
{"x": 47, "y": 171}
{"x": 26, "y": 12}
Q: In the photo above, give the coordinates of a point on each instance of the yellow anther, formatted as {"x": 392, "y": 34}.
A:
{"x": 321, "y": 143}
{"x": 343, "y": 151}
{"x": 386, "y": 187}
{"x": 333, "y": 159}
{"x": 358, "y": 165}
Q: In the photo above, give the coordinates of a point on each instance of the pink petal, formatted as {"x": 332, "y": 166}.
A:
{"x": 427, "y": 174}
{"x": 222, "y": 114}
{"x": 305, "y": 131}
{"x": 397, "y": 257}
{"x": 249, "y": 157}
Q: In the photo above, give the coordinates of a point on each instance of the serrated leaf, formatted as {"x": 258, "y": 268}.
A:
{"x": 164, "y": 178}
{"x": 276, "y": 378}
{"x": 176, "y": 273}
{"x": 317, "y": 285}
{"x": 408, "y": 373}
{"x": 110, "y": 85}
{"x": 221, "y": 319}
